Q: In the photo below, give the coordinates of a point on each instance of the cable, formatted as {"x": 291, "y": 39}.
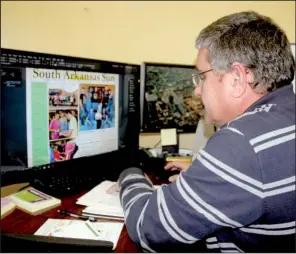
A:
{"x": 157, "y": 144}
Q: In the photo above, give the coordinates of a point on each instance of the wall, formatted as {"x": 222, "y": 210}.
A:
{"x": 125, "y": 31}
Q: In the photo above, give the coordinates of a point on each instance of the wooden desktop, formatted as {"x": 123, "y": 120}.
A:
{"x": 21, "y": 222}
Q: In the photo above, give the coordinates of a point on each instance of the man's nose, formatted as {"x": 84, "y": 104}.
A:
{"x": 197, "y": 91}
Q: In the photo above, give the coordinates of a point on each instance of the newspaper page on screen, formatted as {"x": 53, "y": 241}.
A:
{"x": 70, "y": 114}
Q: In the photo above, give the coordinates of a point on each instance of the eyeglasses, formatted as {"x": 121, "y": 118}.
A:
{"x": 196, "y": 79}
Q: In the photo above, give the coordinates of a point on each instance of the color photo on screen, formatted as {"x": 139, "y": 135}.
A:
{"x": 167, "y": 98}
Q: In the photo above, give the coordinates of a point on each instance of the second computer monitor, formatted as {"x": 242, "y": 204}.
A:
{"x": 167, "y": 99}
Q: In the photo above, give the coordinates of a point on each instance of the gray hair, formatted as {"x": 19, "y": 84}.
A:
{"x": 256, "y": 42}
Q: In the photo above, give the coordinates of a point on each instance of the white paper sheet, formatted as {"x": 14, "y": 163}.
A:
{"x": 106, "y": 231}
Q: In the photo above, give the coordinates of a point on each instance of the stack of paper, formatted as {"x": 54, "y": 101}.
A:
{"x": 101, "y": 204}
{"x": 105, "y": 231}
{"x": 7, "y": 207}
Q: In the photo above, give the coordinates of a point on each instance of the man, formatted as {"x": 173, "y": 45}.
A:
{"x": 63, "y": 122}
{"x": 239, "y": 194}
{"x": 72, "y": 100}
{"x": 88, "y": 102}
{"x": 72, "y": 131}
{"x": 106, "y": 97}
{"x": 110, "y": 107}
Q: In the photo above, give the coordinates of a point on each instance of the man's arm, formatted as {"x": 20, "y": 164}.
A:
{"x": 220, "y": 190}
{"x": 67, "y": 133}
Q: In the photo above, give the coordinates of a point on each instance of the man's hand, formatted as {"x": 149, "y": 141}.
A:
{"x": 115, "y": 187}
{"x": 176, "y": 165}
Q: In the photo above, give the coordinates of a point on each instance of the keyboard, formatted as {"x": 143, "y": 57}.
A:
{"x": 64, "y": 185}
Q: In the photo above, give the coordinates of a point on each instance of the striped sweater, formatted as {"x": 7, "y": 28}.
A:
{"x": 237, "y": 196}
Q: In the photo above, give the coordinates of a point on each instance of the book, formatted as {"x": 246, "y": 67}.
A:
{"x": 34, "y": 201}
{"x": 7, "y": 207}
{"x": 105, "y": 231}
{"x": 100, "y": 204}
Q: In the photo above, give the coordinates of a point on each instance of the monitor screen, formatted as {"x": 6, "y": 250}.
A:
{"x": 167, "y": 99}
{"x": 57, "y": 108}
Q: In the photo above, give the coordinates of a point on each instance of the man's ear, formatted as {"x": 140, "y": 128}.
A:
{"x": 238, "y": 80}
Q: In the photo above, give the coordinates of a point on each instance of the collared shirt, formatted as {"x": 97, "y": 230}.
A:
{"x": 73, "y": 126}
{"x": 237, "y": 196}
{"x": 63, "y": 124}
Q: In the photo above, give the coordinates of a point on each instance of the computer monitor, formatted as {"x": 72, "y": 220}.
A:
{"x": 167, "y": 99}
{"x": 58, "y": 108}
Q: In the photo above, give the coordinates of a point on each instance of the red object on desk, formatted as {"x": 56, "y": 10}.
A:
{"x": 23, "y": 223}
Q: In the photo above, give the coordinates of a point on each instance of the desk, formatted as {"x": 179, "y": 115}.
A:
{"x": 21, "y": 222}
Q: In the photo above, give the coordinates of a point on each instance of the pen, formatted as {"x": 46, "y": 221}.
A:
{"x": 65, "y": 212}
